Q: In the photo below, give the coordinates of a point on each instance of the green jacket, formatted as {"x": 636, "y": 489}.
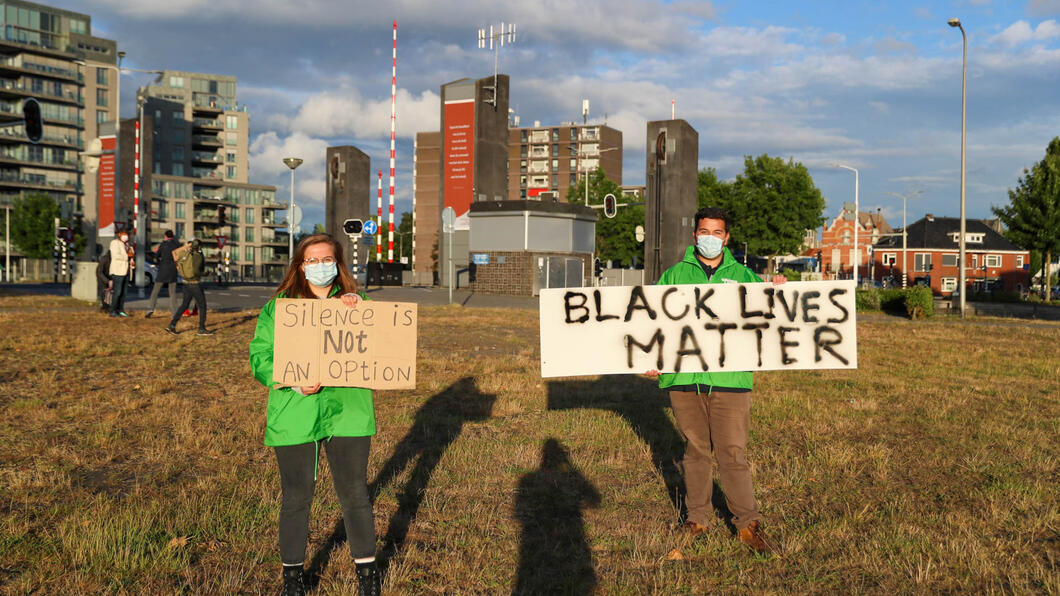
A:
{"x": 294, "y": 419}
{"x": 689, "y": 271}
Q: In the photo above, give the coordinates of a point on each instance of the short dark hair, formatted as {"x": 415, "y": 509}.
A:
{"x": 168, "y": 234}
{"x": 712, "y": 213}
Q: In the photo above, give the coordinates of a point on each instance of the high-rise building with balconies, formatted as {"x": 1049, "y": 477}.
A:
{"x": 197, "y": 175}
{"x": 548, "y": 160}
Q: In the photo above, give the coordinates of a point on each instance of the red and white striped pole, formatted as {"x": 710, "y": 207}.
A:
{"x": 393, "y": 122}
{"x": 136, "y": 185}
{"x": 379, "y": 221}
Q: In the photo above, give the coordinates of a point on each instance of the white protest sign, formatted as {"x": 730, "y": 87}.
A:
{"x": 695, "y": 328}
{"x": 323, "y": 341}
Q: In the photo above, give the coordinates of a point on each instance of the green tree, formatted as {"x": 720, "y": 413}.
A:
{"x": 771, "y": 205}
{"x": 1032, "y": 217}
{"x": 33, "y": 224}
{"x": 615, "y": 237}
{"x": 712, "y": 192}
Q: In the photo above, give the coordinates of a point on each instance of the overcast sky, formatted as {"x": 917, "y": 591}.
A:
{"x": 873, "y": 85}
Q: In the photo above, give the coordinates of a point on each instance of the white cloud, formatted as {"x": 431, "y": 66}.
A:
{"x": 1021, "y": 32}
{"x": 266, "y": 159}
{"x": 337, "y": 114}
{"x": 1041, "y": 8}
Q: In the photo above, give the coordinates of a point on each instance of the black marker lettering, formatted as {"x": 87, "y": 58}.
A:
{"x": 568, "y": 307}
{"x": 807, "y": 306}
{"x": 687, "y": 336}
{"x": 743, "y": 306}
{"x": 721, "y": 328}
{"x": 784, "y": 344}
{"x": 335, "y": 341}
{"x": 360, "y": 342}
{"x": 637, "y": 295}
{"x": 789, "y": 310}
{"x": 600, "y": 316}
{"x": 831, "y": 297}
{"x": 757, "y": 327}
{"x": 770, "y": 302}
{"x": 630, "y": 342}
{"x": 820, "y": 342}
{"x": 291, "y": 310}
{"x": 667, "y": 312}
{"x": 701, "y": 303}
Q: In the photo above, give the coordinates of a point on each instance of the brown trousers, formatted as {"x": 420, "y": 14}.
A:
{"x": 718, "y": 422}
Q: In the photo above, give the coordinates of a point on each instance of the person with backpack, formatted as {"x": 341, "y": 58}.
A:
{"x": 189, "y": 263}
{"x": 300, "y": 421}
{"x": 167, "y": 272}
{"x": 103, "y": 282}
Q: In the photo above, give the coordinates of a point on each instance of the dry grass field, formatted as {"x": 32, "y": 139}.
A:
{"x": 132, "y": 463}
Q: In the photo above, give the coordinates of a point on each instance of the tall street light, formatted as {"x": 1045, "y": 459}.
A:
{"x": 291, "y": 162}
{"x": 905, "y": 234}
{"x": 857, "y": 222}
{"x": 964, "y": 113}
{"x": 587, "y": 172}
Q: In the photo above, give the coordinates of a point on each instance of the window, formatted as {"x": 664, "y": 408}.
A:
{"x": 522, "y": 166}
{"x": 887, "y": 258}
{"x": 178, "y": 152}
{"x": 949, "y": 260}
{"x": 922, "y": 261}
{"x": 177, "y": 82}
{"x": 178, "y": 169}
{"x": 949, "y": 284}
{"x": 1019, "y": 261}
{"x": 555, "y": 134}
{"x": 158, "y": 116}
{"x": 232, "y": 122}
{"x": 178, "y": 117}
{"x": 522, "y": 151}
{"x": 178, "y": 210}
{"x": 993, "y": 261}
{"x": 231, "y": 139}
{"x": 178, "y": 135}
{"x": 249, "y": 253}
{"x": 524, "y": 135}
{"x": 249, "y": 215}
{"x": 555, "y": 166}
{"x": 230, "y": 157}
{"x": 573, "y": 134}
{"x": 102, "y": 116}
{"x": 848, "y": 237}
{"x": 248, "y": 234}
{"x": 555, "y": 150}
{"x": 101, "y": 98}
{"x": 101, "y": 76}
{"x": 230, "y": 171}
{"x": 555, "y": 181}
{"x": 573, "y": 179}
{"x": 179, "y": 231}
{"x": 573, "y": 165}
{"x": 522, "y": 194}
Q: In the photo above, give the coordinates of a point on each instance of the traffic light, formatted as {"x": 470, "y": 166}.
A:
{"x": 352, "y": 227}
{"x": 598, "y": 268}
{"x": 33, "y": 121}
{"x": 610, "y": 206}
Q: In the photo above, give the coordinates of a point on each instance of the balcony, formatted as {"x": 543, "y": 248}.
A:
{"x": 201, "y": 157}
{"x": 20, "y": 65}
{"x": 205, "y": 141}
{"x": 9, "y": 88}
{"x": 22, "y": 156}
{"x": 17, "y": 134}
{"x": 207, "y": 124}
{"x": 36, "y": 181}
{"x": 589, "y": 134}
{"x": 207, "y": 175}
{"x": 267, "y": 204}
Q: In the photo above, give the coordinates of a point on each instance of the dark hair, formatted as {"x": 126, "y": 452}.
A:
{"x": 712, "y": 213}
{"x": 168, "y": 234}
{"x": 294, "y": 283}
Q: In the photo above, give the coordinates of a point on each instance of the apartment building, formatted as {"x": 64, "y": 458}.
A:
{"x": 544, "y": 161}
{"x": 50, "y": 54}
{"x": 196, "y": 167}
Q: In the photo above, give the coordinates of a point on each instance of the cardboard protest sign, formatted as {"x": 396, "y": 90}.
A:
{"x": 695, "y": 328}
{"x": 323, "y": 341}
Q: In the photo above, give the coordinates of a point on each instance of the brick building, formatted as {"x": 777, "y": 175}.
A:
{"x": 836, "y": 248}
{"x": 932, "y": 249}
{"x": 551, "y": 159}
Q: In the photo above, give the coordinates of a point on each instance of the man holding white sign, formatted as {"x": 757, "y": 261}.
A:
{"x": 713, "y": 409}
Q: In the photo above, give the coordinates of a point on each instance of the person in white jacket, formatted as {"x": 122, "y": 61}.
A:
{"x": 120, "y": 265}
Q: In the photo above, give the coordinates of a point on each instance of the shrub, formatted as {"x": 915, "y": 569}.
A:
{"x": 919, "y": 302}
{"x": 867, "y": 300}
{"x": 791, "y": 274}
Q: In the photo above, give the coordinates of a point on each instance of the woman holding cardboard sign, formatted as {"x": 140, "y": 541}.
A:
{"x": 300, "y": 420}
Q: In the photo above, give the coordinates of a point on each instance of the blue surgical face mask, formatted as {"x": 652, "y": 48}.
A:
{"x": 709, "y": 246}
{"x": 321, "y": 274}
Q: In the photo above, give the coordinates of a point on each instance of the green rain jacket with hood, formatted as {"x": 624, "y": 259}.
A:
{"x": 690, "y": 271}
{"x": 293, "y": 418}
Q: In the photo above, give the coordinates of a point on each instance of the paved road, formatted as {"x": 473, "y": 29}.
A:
{"x": 252, "y": 296}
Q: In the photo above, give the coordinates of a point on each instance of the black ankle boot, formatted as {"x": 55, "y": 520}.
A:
{"x": 368, "y": 581}
{"x": 293, "y": 581}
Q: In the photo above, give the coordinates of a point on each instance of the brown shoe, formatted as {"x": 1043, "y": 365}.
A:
{"x": 754, "y": 537}
{"x": 692, "y": 528}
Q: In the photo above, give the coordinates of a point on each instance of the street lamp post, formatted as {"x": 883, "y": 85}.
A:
{"x": 586, "y": 170}
{"x": 291, "y": 162}
{"x": 857, "y": 209}
{"x": 905, "y": 234}
{"x": 961, "y": 279}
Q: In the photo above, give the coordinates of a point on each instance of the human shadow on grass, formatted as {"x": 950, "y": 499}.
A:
{"x": 554, "y": 555}
{"x": 641, "y": 403}
{"x": 437, "y": 425}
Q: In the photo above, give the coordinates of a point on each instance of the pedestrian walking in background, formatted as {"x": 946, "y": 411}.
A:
{"x": 104, "y": 288}
{"x": 167, "y": 273}
{"x": 121, "y": 263}
{"x": 190, "y": 266}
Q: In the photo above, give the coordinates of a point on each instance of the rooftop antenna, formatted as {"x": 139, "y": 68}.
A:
{"x": 585, "y": 111}
{"x": 495, "y": 41}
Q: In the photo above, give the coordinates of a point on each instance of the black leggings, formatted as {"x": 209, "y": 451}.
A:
{"x": 191, "y": 291}
{"x": 348, "y": 460}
